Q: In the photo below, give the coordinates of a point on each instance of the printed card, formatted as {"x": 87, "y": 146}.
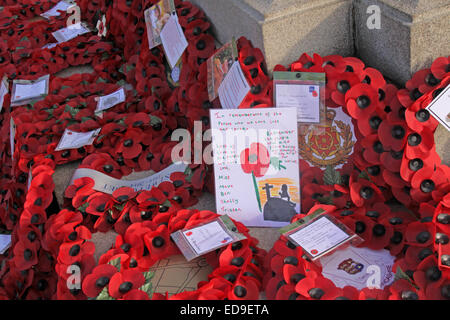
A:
{"x": 256, "y": 165}
{"x": 70, "y": 32}
{"x": 5, "y": 242}
{"x": 173, "y": 40}
{"x": 304, "y": 91}
{"x": 60, "y": 6}
{"x": 359, "y": 268}
{"x": 110, "y": 100}
{"x": 155, "y": 19}
{"x": 218, "y": 66}
{"x": 26, "y": 91}
{"x": 234, "y": 87}
{"x": 440, "y": 108}
{"x": 206, "y": 237}
{"x": 4, "y": 88}
{"x": 319, "y": 237}
{"x": 75, "y": 140}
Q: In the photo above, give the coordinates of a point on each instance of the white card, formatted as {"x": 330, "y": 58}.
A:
{"x": 50, "y": 45}
{"x": 24, "y": 90}
{"x": 319, "y": 236}
{"x": 75, "y": 140}
{"x": 5, "y": 242}
{"x": 110, "y": 100}
{"x": 70, "y": 32}
{"x": 173, "y": 40}
{"x": 4, "y": 88}
{"x": 440, "y": 108}
{"x": 207, "y": 237}
{"x": 266, "y": 195}
{"x": 305, "y": 98}
{"x": 12, "y": 135}
{"x": 359, "y": 268}
{"x": 233, "y": 88}
{"x": 53, "y": 12}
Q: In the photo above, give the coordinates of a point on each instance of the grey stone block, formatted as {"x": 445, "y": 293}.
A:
{"x": 284, "y": 29}
{"x": 413, "y": 33}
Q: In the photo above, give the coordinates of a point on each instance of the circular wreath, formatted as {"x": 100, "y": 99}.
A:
{"x": 394, "y": 192}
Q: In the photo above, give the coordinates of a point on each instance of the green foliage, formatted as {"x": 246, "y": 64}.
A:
{"x": 331, "y": 176}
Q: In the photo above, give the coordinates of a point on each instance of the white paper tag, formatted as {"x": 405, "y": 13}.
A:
{"x": 440, "y": 108}
{"x": 233, "y": 88}
{"x": 26, "y": 90}
{"x": 5, "y": 242}
{"x": 107, "y": 184}
{"x": 359, "y": 268}
{"x": 319, "y": 236}
{"x": 305, "y": 98}
{"x": 75, "y": 140}
{"x": 175, "y": 74}
{"x": 110, "y": 100}
{"x": 50, "y": 45}
{"x": 70, "y": 32}
{"x": 4, "y": 88}
{"x": 173, "y": 40}
{"x": 12, "y": 134}
{"x": 53, "y": 12}
{"x": 207, "y": 237}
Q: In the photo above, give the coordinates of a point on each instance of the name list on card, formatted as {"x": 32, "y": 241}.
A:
{"x": 70, "y": 32}
{"x": 256, "y": 165}
{"x": 233, "y": 88}
{"x": 75, "y": 140}
{"x": 303, "y": 97}
{"x": 173, "y": 40}
{"x": 440, "y": 108}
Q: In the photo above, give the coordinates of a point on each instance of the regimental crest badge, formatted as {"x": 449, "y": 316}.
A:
{"x": 350, "y": 266}
{"x": 327, "y": 145}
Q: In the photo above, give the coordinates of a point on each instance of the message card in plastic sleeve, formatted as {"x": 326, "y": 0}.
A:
{"x": 29, "y": 91}
{"x": 320, "y": 234}
{"x": 206, "y": 237}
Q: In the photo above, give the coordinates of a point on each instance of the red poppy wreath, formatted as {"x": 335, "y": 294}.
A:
{"x": 393, "y": 191}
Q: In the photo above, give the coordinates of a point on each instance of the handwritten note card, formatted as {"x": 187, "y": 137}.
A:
{"x": 234, "y": 87}
{"x": 173, "y": 40}
{"x": 75, "y": 140}
{"x": 256, "y": 165}
{"x": 110, "y": 100}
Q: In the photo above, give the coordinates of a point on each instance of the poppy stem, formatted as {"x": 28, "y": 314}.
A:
{"x": 256, "y": 191}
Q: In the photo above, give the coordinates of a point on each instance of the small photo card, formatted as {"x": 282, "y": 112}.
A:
{"x": 304, "y": 91}
{"x": 234, "y": 87}
{"x": 207, "y": 237}
{"x": 440, "y": 108}
{"x": 5, "y": 242}
{"x": 28, "y": 91}
{"x": 75, "y": 140}
{"x": 256, "y": 166}
{"x": 319, "y": 234}
{"x": 173, "y": 40}
{"x": 218, "y": 66}
{"x": 4, "y": 88}
{"x": 155, "y": 19}
{"x": 60, "y": 6}
{"x": 110, "y": 100}
{"x": 356, "y": 266}
{"x": 70, "y": 32}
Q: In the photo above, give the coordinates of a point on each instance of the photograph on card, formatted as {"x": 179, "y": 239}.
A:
{"x": 256, "y": 165}
{"x": 155, "y": 18}
{"x": 218, "y": 66}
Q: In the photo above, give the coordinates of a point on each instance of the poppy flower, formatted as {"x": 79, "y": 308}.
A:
{"x": 373, "y": 77}
{"x": 409, "y": 167}
{"x": 158, "y": 243}
{"x": 440, "y": 67}
{"x": 393, "y": 135}
{"x": 125, "y": 281}
{"x": 374, "y": 294}
{"x": 418, "y": 117}
{"x": 419, "y": 234}
{"x": 361, "y": 99}
{"x": 308, "y": 64}
{"x": 373, "y": 149}
{"x": 24, "y": 256}
{"x": 403, "y": 290}
{"x": 427, "y": 272}
{"x": 255, "y": 159}
{"x": 244, "y": 290}
{"x": 439, "y": 290}
{"x": 425, "y": 181}
{"x": 319, "y": 288}
{"x": 70, "y": 252}
{"x": 98, "y": 203}
{"x": 94, "y": 283}
{"x": 364, "y": 192}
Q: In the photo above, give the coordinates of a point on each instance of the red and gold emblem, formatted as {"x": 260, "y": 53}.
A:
{"x": 331, "y": 145}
